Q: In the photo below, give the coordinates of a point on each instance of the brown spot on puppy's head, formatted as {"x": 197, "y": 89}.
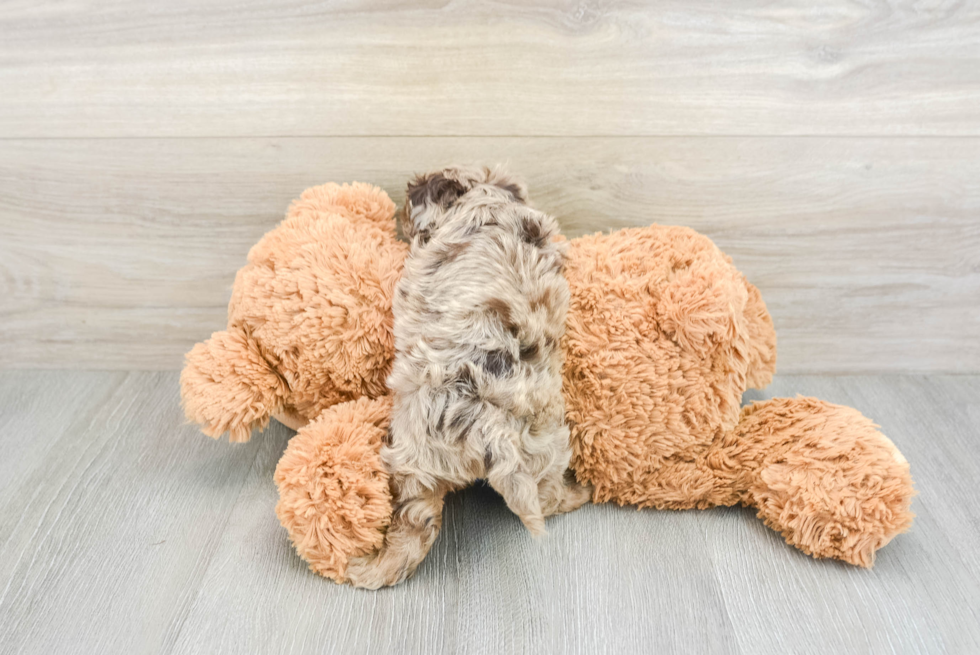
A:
{"x": 464, "y": 383}
{"x": 461, "y": 425}
{"x": 541, "y": 300}
{"x": 515, "y": 191}
{"x": 434, "y": 191}
{"x": 449, "y": 254}
{"x": 502, "y": 310}
{"x": 532, "y": 232}
{"x": 529, "y": 352}
{"x": 497, "y": 362}
{"x": 500, "y": 179}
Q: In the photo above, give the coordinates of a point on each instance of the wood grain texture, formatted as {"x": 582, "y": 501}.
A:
{"x": 544, "y": 67}
{"x": 123, "y": 532}
{"x": 121, "y": 253}
{"x": 112, "y": 513}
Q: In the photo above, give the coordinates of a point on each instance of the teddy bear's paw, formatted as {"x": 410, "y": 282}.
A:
{"x": 227, "y": 386}
{"x": 839, "y": 488}
{"x": 334, "y": 498}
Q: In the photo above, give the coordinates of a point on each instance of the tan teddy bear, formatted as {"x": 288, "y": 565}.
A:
{"x": 662, "y": 338}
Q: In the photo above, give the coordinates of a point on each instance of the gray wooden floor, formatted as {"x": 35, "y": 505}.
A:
{"x": 124, "y": 530}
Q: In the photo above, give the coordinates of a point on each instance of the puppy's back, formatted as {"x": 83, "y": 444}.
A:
{"x": 483, "y": 292}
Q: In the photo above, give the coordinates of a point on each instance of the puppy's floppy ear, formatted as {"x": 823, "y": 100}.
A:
{"x": 434, "y": 189}
{"x": 427, "y": 195}
{"x": 517, "y": 190}
{"x": 512, "y": 185}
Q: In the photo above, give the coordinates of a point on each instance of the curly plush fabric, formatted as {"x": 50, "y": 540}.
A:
{"x": 823, "y": 476}
{"x": 312, "y": 308}
{"x": 361, "y": 202}
{"x": 663, "y": 335}
{"x": 228, "y": 386}
{"x": 333, "y": 489}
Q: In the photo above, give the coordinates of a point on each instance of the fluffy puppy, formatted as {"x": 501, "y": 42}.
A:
{"x": 479, "y": 313}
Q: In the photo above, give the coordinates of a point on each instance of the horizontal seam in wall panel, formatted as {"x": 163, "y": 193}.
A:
{"x": 148, "y": 137}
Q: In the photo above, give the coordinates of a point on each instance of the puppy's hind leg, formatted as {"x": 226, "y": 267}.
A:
{"x": 559, "y": 492}
{"x": 519, "y": 489}
{"x": 414, "y": 527}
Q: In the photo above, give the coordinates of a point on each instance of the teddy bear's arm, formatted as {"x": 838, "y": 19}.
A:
{"x": 227, "y": 386}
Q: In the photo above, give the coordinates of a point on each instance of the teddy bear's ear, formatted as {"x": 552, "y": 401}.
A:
{"x": 358, "y": 201}
{"x": 427, "y": 196}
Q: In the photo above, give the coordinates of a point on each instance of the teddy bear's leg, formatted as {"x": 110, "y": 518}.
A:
{"x": 822, "y": 475}
{"x": 334, "y": 496}
{"x": 227, "y": 386}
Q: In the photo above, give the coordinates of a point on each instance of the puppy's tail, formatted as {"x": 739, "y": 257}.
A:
{"x": 228, "y": 386}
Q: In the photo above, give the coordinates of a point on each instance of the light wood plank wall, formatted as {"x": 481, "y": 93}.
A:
{"x": 833, "y": 149}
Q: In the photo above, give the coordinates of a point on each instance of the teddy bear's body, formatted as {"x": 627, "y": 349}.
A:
{"x": 662, "y": 338}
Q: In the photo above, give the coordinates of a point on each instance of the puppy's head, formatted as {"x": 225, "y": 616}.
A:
{"x": 431, "y": 196}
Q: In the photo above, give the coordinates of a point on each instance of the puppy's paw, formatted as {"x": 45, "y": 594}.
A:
{"x": 365, "y": 573}
{"x": 576, "y": 495}
{"x": 535, "y": 525}
{"x": 375, "y": 571}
